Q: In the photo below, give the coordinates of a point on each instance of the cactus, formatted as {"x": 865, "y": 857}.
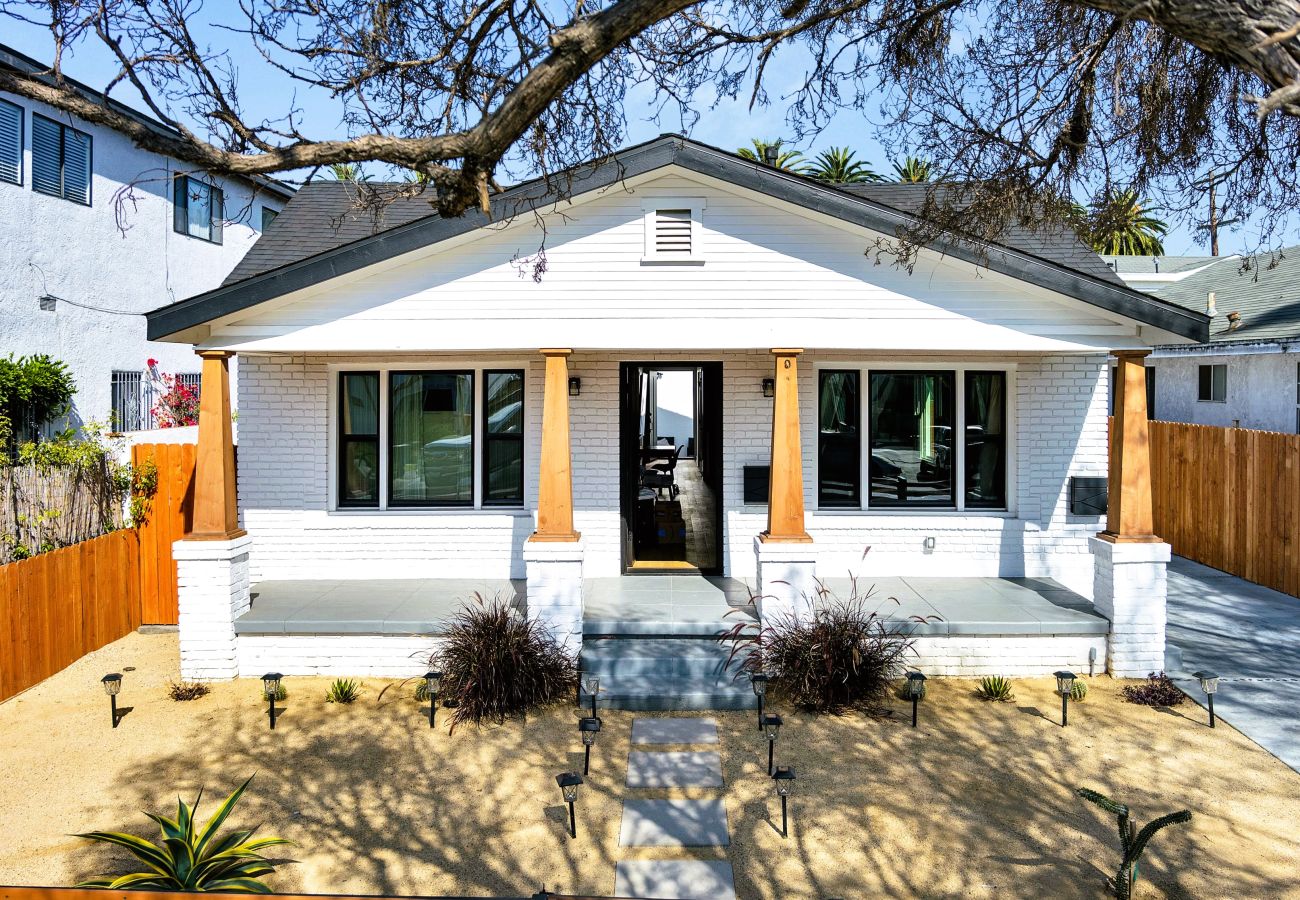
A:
{"x": 1131, "y": 841}
{"x": 1079, "y": 690}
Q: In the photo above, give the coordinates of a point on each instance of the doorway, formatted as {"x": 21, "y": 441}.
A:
{"x": 670, "y": 452}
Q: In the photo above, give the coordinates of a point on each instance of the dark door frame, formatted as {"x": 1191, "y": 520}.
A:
{"x": 708, "y": 450}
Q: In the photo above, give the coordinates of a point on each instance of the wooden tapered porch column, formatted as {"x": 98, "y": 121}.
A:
{"x": 1129, "y": 509}
{"x": 215, "y": 515}
{"x": 785, "y": 486}
{"x": 555, "y": 485}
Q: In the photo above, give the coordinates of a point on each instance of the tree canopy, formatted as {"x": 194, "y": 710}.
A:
{"x": 1023, "y": 106}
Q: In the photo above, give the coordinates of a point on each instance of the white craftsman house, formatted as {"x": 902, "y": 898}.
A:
{"x": 95, "y": 232}
{"x": 429, "y": 407}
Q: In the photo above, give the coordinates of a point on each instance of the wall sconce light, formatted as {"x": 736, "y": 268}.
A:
{"x": 575, "y": 387}
{"x": 112, "y": 684}
{"x": 769, "y": 387}
{"x": 1064, "y": 684}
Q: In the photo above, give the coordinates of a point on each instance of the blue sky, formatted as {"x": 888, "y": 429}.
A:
{"x": 730, "y": 125}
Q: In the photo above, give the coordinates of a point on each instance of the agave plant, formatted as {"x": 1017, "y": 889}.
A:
{"x": 839, "y": 165}
{"x": 343, "y": 690}
{"x": 190, "y": 859}
{"x": 995, "y": 687}
{"x": 1131, "y": 841}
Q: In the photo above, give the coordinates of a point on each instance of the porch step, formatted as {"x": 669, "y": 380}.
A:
{"x": 665, "y": 674}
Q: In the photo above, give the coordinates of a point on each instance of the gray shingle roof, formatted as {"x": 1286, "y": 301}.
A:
{"x": 328, "y": 214}
{"x": 1152, "y": 265}
{"x": 1267, "y": 296}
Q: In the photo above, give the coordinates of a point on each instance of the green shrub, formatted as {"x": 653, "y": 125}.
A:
{"x": 995, "y": 687}
{"x": 343, "y": 690}
{"x": 188, "y": 690}
{"x": 496, "y": 663}
{"x": 1079, "y": 690}
{"x": 1132, "y": 842}
{"x": 191, "y": 859}
{"x": 34, "y": 390}
{"x": 845, "y": 656}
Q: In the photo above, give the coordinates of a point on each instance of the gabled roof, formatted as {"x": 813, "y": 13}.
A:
{"x": 21, "y": 62}
{"x": 1267, "y": 297}
{"x": 1157, "y": 265}
{"x": 319, "y": 241}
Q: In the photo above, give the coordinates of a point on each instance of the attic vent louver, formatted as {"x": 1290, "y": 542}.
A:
{"x": 672, "y": 232}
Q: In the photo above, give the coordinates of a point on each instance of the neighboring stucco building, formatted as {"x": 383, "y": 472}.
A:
{"x": 93, "y": 236}
{"x": 1248, "y": 374}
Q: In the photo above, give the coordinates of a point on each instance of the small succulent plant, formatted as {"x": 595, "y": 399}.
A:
{"x": 1132, "y": 841}
{"x": 422, "y": 691}
{"x": 1079, "y": 690}
{"x": 995, "y": 687}
{"x": 1157, "y": 690}
{"x": 187, "y": 690}
{"x": 343, "y": 690}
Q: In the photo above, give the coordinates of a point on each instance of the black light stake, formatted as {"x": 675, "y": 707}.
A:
{"x": 432, "y": 680}
{"x": 1209, "y": 684}
{"x": 568, "y": 782}
{"x": 588, "y": 728}
{"x": 591, "y": 684}
{"x": 784, "y": 778}
{"x": 112, "y": 684}
{"x": 915, "y": 691}
{"x": 772, "y": 725}
{"x": 759, "y": 684}
{"x": 1064, "y": 684}
{"x": 271, "y": 687}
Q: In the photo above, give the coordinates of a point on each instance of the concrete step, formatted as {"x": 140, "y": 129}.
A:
{"x": 660, "y": 693}
{"x": 611, "y": 658}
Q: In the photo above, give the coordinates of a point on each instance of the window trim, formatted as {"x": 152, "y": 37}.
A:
{"x": 474, "y": 383}
{"x": 959, "y": 368}
{"x": 856, "y": 502}
{"x": 488, "y": 438}
{"x": 384, "y": 368}
{"x": 649, "y": 207}
{"x": 1211, "y": 367}
{"x": 216, "y": 217}
{"x": 22, "y": 143}
{"x": 342, "y": 440}
{"x": 63, "y": 153}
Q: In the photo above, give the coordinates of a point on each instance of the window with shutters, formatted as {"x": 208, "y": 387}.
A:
{"x": 198, "y": 209}
{"x": 672, "y": 230}
{"x": 60, "y": 160}
{"x": 11, "y": 142}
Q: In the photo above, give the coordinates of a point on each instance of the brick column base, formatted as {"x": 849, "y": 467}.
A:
{"x": 212, "y": 584}
{"x": 787, "y": 580}
{"x": 1129, "y": 589}
{"x": 554, "y": 572}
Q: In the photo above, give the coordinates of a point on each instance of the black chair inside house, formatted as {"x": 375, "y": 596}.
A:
{"x": 662, "y": 474}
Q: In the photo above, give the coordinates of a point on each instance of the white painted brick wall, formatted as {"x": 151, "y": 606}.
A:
{"x": 283, "y": 481}
{"x": 335, "y": 655}
{"x": 212, "y": 580}
{"x": 1011, "y": 655}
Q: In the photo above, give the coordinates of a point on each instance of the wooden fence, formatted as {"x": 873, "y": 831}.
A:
{"x": 59, "y": 606}
{"x": 170, "y": 517}
{"x": 1230, "y": 498}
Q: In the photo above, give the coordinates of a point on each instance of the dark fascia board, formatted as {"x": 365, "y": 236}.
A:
{"x": 21, "y": 62}
{"x": 654, "y": 154}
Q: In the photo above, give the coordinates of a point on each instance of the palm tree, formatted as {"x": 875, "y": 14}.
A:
{"x": 838, "y": 166}
{"x": 785, "y": 159}
{"x": 348, "y": 172}
{"x": 913, "y": 170}
{"x": 1121, "y": 225}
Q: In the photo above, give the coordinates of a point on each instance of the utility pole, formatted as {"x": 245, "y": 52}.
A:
{"x": 1214, "y": 220}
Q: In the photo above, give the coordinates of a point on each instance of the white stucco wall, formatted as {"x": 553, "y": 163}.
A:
{"x": 120, "y": 255}
{"x": 285, "y": 472}
{"x": 1261, "y": 386}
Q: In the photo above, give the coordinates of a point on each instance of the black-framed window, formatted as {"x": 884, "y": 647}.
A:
{"x": 198, "y": 209}
{"x": 358, "y": 439}
{"x": 503, "y": 437}
{"x": 1212, "y": 383}
{"x": 268, "y": 217}
{"x": 431, "y": 438}
{"x": 11, "y": 142}
{"x": 913, "y": 457}
{"x": 61, "y": 160}
{"x": 986, "y": 440}
{"x": 839, "y": 445}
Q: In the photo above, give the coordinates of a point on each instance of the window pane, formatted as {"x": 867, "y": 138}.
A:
{"x": 268, "y": 216}
{"x": 986, "y": 440}
{"x": 359, "y": 406}
{"x": 432, "y": 438}
{"x": 505, "y": 471}
{"x": 359, "y": 485}
{"x": 838, "y": 442}
{"x": 911, "y": 429}
{"x": 199, "y": 202}
{"x": 503, "y": 398}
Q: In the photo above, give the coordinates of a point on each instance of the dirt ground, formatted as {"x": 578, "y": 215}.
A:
{"x": 977, "y": 802}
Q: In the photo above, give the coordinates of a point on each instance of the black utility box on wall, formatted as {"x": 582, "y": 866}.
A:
{"x": 757, "y": 479}
{"x": 1087, "y": 495}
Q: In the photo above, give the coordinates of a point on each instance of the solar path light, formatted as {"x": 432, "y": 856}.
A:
{"x": 771, "y": 725}
{"x": 569, "y": 782}
{"x": 112, "y": 683}
{"x": 915, "y": 691}
{"x": 432, "y": 681}
{"x": 1209, "y": 684}
{"x": 1064, "y": 684}
{"x": 270, "y": 688}
{"x": 588, "y": 728}
{"x": 784, "y": 778}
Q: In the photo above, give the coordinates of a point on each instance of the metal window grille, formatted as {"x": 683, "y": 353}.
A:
{"x": 134, "y": 397}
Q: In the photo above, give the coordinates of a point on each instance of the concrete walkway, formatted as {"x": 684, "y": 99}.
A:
{"x": 1250, "y": 636}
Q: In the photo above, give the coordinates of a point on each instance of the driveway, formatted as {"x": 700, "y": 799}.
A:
{"x": 1250, "y": 636}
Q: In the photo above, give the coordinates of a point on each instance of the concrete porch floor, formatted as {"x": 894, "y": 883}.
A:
{"x": 669, "y": 605}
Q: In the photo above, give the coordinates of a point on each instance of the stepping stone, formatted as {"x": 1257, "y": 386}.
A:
{"x": 674, "y": 823}
{"x": 674, "y": 731}
{"x": 670, "y": 879}
{"x": 673, "y": 769}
